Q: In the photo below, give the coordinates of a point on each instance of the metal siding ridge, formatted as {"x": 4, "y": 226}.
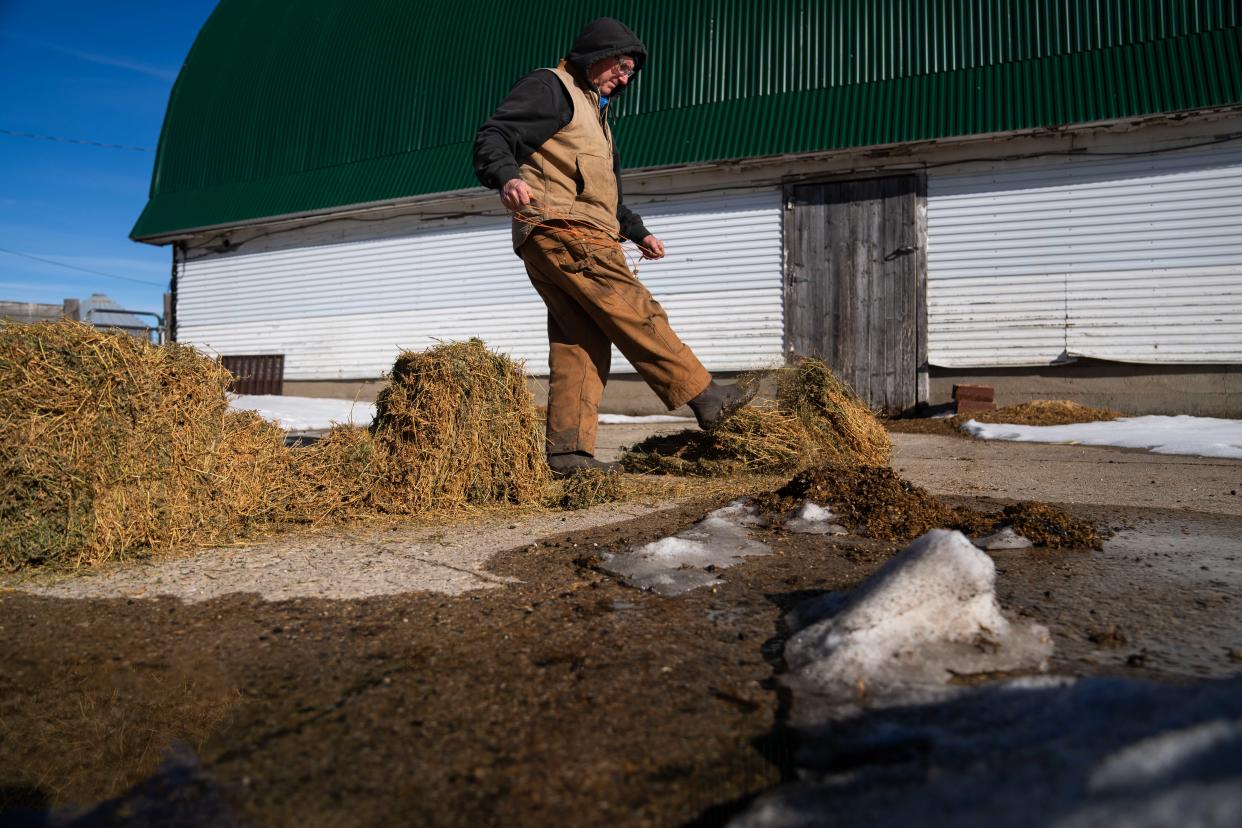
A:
{"x": 1145, "y": 284}
{"x": 345, "y": 304}
{"x": 275, "y": 113}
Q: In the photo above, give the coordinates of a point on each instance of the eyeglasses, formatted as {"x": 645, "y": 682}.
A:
{"x": 625, "y": 71}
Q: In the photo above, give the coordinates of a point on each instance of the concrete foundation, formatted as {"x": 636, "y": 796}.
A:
{"x": 624, "y": 394}
{"x": 1201, "y": 390}
{"x": 365, "y": 390}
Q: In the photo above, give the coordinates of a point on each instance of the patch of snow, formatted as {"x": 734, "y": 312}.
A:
{"x": 812, "y": 519}
{"x": 622, "y": 419}
{"x": 927, "y": 615}
{"x": 740, "y": 512}
{"x": 1005, "y": 538}
{"x": 305, "y": 413}
{"x": 686, "y": 561}
{"x": 1182, "y": 434}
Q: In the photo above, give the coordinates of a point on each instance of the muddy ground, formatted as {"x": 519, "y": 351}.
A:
{"x": 559, "y": 697}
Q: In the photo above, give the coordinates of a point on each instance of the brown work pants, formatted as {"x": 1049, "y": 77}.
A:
{"x": 593, "y": 301}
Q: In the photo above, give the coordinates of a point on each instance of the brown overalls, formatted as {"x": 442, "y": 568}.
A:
{"x": 581, "y": 272}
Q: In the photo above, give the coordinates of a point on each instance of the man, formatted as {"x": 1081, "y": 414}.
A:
{"x": 548, "y": 149}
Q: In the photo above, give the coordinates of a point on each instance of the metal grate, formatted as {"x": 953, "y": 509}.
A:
{"x": 256, "y": 374}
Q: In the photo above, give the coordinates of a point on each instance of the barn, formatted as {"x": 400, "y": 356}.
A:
{"x": 1043, "y": 195}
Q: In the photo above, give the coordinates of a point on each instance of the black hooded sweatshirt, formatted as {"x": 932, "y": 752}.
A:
{"x": 538, "y": 106}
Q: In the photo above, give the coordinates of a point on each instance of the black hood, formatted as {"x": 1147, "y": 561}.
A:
{"x": 605, "y": 38}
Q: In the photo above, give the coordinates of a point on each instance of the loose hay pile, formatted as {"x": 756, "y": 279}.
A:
{"x": 877, "y": 502}
{"x": 110, "y": 446}
{"x": 815, "y": 418}
{"x": 1043, "y": 413}
{"x": 457, "y": 425}
{"x": 587, "y": 488}
{"x": 761, "y": 440}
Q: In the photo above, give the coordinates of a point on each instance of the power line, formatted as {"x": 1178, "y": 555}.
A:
{"x": 83, "y": 269}
{"x": 80, "y": 141}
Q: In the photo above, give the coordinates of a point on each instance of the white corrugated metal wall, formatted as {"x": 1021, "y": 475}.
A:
{"x": 1125, "y": 257}
{"x": 340, "y": 299}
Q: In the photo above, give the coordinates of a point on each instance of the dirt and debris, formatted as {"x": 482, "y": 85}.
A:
{"x": 814, "y": 418}
{"x": 1050, "y": 527}
{"x": 878, "y": 502}
{"x": 564, "y": 692}
{"x": 1110, "y": 637}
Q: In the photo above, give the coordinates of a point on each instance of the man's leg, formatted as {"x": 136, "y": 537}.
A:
{"x": 578, "y": 359}
{"x": 591, "y": 272}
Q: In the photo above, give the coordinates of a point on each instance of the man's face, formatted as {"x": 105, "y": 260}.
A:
{"x": 610, "y": 74}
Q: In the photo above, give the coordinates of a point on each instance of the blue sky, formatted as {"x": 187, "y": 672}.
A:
{"x": 86, "y": 71}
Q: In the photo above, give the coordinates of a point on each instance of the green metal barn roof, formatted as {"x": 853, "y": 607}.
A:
{"x": 293, "y": 106}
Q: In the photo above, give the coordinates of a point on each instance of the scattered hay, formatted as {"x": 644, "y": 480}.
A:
{"x": 1042, "y": 413}
{"x": 587, "y": 488}
{"x": 1035, "y": 412}
{"x": 754, "y": 440}
{"x": 456, "y": 425}
{"x": 877, "y": 502}
{"x": 112, "y": 447}
{"x": 815, "y": 418}
{"x": 335, "y": 476}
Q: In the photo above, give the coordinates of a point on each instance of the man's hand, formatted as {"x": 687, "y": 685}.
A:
{"x": 652, "y": 248}
{"x": 515, "y": 195}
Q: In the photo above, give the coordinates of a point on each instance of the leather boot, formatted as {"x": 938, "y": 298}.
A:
{"x": 570, "y": 463}
{"x": 720, "y": 402}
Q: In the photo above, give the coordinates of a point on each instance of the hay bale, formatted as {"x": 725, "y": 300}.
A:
{"x": 456, "y": 426}
{"x": 815, "y": 418}
{"x": 110, "y": 445}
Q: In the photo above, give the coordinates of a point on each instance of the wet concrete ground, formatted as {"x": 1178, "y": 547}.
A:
{"x": 556, "y": 695}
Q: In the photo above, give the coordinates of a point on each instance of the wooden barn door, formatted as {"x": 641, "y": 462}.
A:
{"x": 855, "y": 274}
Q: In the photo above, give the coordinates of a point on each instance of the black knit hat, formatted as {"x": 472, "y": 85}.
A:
{"x": 605, "y": 38}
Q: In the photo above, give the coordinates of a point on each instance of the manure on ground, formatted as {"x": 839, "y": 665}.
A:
{"x": 1048, "y": 526}
{"x": 877, "y": 502}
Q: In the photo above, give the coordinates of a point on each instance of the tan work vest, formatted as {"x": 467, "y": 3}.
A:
{"x": 571, "y": 174}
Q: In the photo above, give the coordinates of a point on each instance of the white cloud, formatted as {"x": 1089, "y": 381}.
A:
{"x": 103, "y": 60}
